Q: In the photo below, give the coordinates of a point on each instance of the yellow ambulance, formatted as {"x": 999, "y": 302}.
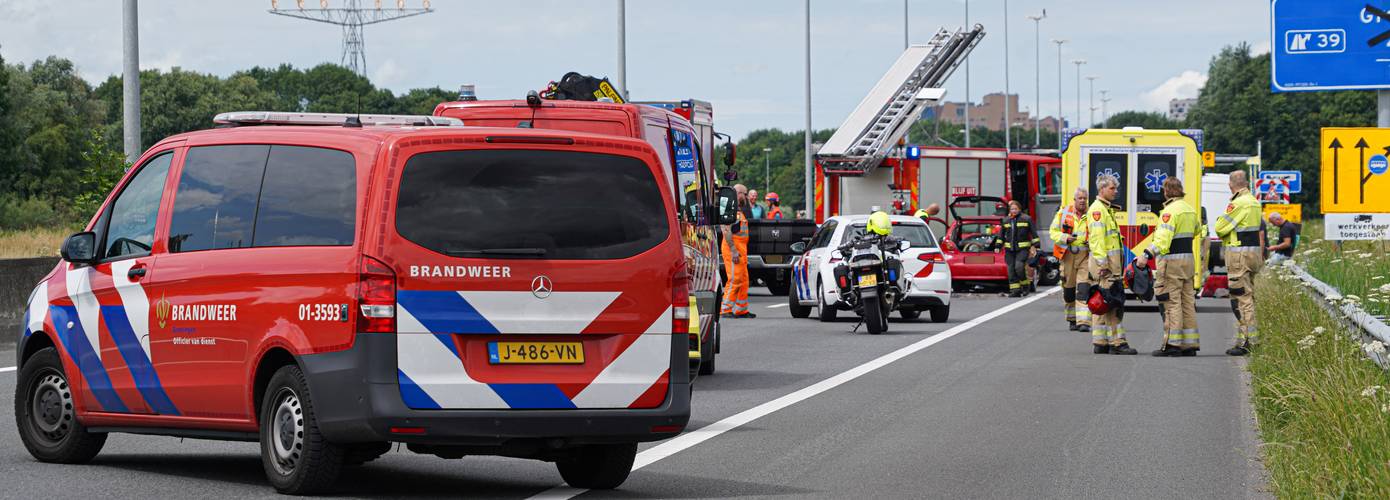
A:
{"x": 1141, "y": 159}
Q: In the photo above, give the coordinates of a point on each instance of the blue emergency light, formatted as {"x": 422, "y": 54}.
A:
{"x": 913, "y": 152}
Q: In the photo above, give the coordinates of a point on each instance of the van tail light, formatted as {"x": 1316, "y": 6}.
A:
{"x": 376, "y": 297}
{"x": 680, "y": 302}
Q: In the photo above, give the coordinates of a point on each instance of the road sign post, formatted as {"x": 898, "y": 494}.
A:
{"x": 1329, "y": 45}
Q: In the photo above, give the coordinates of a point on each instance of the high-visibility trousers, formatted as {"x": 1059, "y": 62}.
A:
{"x": 736, "y": 289}
{"x": 1242, "y": 264}
{"x": 1074, "y": 274}
{"x": 1017, "y": 263}
{"x": 1173, "y": 290}
{"x": 1105, "y": 328}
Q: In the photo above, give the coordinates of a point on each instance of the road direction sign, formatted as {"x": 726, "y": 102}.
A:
{"x": 1350, "y": 159}
{"x": 1292, "y": 212}
{"x": 1270, "y": 177}
{"x": 1329, "y": 45}
{"x": 1339, "y": 227}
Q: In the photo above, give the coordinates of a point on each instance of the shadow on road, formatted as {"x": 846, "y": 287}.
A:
{"x": 686, "y": 486}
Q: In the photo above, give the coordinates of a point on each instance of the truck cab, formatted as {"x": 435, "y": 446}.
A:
{"x": 682, "y": 134}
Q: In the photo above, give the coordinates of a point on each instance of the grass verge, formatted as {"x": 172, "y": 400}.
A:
{"x": 38, "y": 242}
{"x": 1322, "y": 406}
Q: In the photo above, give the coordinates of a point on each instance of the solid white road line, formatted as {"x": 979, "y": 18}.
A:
{"x": 692, "y": 438}
{"x": 774, "y": 306}
{"x": 8, "y": 369}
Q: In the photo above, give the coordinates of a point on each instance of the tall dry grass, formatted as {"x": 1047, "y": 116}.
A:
{"x": 37, "y": 242}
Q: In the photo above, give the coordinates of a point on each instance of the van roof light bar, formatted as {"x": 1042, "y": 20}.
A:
{"x": 249, "y": 118}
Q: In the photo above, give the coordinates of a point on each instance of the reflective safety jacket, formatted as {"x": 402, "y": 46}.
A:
{"x": 1016, "y": 233}
{"x": 1102, "y": 232}
{"x": 1240, "y": 225}
{"x": 1068, "y": 221}
{"x": 738, "y": 233}
{"x": 1177, "y": 228}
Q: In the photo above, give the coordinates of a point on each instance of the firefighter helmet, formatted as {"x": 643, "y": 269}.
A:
{"x": 879, "y": 224}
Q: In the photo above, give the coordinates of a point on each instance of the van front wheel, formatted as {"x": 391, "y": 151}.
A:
{"x": 598, "y": 466}
{"x": 43, "y": 410}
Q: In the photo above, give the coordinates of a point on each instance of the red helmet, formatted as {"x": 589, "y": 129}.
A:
{"x": 772, "y": 197}
{"x": 1097, "y": 303}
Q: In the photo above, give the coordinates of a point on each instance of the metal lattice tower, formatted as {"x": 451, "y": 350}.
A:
{"x": 352, "y": 17}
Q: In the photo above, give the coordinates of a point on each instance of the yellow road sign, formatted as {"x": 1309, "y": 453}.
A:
{"x": 1292, "y": 212}
{"x": 1209, "y": 159}
{"x": 1354, "y": 165}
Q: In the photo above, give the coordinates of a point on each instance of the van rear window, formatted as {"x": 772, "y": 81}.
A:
{"x": 530, "y": 204}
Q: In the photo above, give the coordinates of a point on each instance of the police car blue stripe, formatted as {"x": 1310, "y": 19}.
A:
{"x": 534, "y": 396}
{"x": 146, "y": 378}
{"x": 74, "y": 340}
{"x": 413, "y": 396}
{"x": 27, "y": 332}
{"x": 443, "y": 312}
{"x": 448, "y": 342}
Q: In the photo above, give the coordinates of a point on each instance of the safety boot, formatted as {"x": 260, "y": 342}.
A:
{"x": 1189, "y": 352}
{"x": 1168, "y": 351}
{"x": 747, "y": 315}
{"x": 1123, "y": 349}
{"x": 1083, "y": 328}
{"x": 1100, "y": 348}
{"x": 1239, "y": 350}
{"x": 1071, "y": 325}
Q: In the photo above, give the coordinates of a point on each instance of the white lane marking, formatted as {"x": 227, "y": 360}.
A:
{"x": 692, "y": 438}
{"x": 774, "y": 306}
{"x": 8, "y": 369}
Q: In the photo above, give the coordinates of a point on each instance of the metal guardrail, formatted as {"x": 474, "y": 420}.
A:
{"x": 1330, "y": 298}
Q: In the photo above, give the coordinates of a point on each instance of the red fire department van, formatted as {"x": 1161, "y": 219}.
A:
{"x": 682, "y": 134}
{"x": 330, "y": 284}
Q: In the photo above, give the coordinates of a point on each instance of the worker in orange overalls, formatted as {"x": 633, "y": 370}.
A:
{"x": 774, "y": 207}
{"x": 735, "y": 252}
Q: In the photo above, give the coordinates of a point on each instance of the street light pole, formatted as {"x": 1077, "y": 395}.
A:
{"x": 1037, "y": 77}
{"x": 1060, "y": 120}
{"x": 905, "y": 43}
{"x": 767, "y": 171}
{"x": 1092, "y": 79}
{"x": 130, "y": 80}
{"x": 622, "y": 49}
{"x": 1104, "y": 112}
{"x": 967, "y": 81}
{"x": 1008, "y": 117}
{"x": 1078, "y": 63}
{"x": 810, "y": 162}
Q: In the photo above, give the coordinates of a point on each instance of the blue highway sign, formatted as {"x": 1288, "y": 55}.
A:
{"x": 1294, "y": 177}
{"x": 1329, "y": 45}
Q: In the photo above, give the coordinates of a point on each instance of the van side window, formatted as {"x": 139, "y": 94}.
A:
{"x": 309, "y": 197}
{"x": 135, "y": 211}
{"x": 689, "y": 192}
{"x": 215, "y": 204}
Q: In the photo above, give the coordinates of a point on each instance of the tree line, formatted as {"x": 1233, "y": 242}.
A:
{"x": 61, "y": 137}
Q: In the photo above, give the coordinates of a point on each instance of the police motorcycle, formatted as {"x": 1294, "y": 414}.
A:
{"x": 870, "y": 273}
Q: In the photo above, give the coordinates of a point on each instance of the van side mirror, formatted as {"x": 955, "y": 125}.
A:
{"x": 730, "y": 154}
{"x": 798, "y": 247}
{"x": 80, "y": 248}
{"x": 726, "y": 204}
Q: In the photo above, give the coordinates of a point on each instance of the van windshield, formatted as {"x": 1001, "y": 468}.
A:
{"x": 530, "y": 204}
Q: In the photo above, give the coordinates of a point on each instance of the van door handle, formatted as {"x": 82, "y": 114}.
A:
{"x": 135, "y": 273}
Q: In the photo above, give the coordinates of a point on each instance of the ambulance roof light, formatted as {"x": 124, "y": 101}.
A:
{"x": 1132, "y": 128}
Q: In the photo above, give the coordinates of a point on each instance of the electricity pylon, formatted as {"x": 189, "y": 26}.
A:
{"x": 352, "y": 17}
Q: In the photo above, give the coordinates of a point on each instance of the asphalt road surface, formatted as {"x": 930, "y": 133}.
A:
{"x": 1000, "y": 402}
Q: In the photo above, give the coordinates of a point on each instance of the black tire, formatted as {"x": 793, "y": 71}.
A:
{"x": 296, "y": 457}
{"x": 359, "y": 454}
{"x": 778, "y": 287}
{"x": 939, "y": 314}
{"x": 794, "y": 305}
{"x": 910, "y": 313}
{"x": 598, "y": 466}
{"x": 45, "y": 416}
{"x": 708, "y": 352}
{"x": 824, "y": 312}
{"x": 873, "y": 316}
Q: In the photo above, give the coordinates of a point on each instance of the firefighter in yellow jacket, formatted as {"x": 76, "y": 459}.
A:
{"x": 1068, "y": 232}
{"x": 1172, "y": 248}
{"x": 1106, "y": 266}
{"x": 1239, "y": 229}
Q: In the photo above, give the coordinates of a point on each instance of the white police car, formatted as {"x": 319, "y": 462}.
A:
{"x": 813, "y": 276}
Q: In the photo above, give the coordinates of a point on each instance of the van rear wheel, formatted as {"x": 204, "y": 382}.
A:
{"x": 296, "y": 457}
{"x": 43, "y": 411}
{"x": 598, "y": 466}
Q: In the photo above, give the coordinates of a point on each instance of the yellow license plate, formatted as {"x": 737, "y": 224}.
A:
{"x": 560, "y": 353}
{"x": 868, "y": 280}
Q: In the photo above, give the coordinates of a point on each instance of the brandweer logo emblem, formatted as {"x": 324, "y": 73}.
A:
{"x": 541, "y": 286}
{"x": 161, "y": 310}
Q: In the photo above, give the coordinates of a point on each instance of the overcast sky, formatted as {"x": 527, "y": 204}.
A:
{"x": 744, "y": 56}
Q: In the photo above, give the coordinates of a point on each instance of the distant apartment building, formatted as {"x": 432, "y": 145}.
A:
{"x": 1178, "y": 108}
{"x": 989, "y": 113}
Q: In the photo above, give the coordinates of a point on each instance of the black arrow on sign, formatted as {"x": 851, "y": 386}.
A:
{"x": 1336, "y": 147}
{"x": 1361, "y": 147}
{"x": 1383, "y": 36}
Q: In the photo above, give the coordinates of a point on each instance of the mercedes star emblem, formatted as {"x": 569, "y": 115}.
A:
{"x": 541, "y": 287}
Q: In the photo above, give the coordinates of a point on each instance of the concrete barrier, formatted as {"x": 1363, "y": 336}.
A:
{"x": 17, "y": 279}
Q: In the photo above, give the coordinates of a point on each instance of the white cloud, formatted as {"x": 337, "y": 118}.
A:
{"x": 1260, "y": 47}
{"x": 1187, "y": 84}
{"x": 387, "y": 74}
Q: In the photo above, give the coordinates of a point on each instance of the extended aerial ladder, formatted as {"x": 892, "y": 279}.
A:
{"x": 876, "y": 126}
